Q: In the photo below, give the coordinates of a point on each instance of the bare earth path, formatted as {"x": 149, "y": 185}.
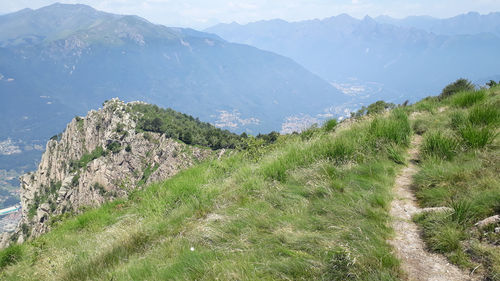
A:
{"x": 416, "y": 261}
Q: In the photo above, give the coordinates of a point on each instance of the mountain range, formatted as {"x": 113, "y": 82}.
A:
{"x": 416, "y": 56}
{"x": 63, "y": 60}
{"x": 470, "y": 23}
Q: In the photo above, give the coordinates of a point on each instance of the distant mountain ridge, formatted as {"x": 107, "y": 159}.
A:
{"x": 391, "y": 52}
{"x": 470, "y": 23}
{"x": 62, "y": 60}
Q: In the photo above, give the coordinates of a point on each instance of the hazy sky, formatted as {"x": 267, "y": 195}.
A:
{"x": 203, "y": 13}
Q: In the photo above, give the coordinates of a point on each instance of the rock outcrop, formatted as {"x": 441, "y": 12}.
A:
{"x": 98, "y": 158}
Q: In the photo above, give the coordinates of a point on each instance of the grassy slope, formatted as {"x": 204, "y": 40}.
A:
{"x": 310, "y": 207}
{"x": 460, "y": 170}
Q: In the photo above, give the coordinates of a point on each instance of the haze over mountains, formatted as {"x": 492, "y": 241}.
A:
{"x": 63, "y": 60}
{"x": 408, "y": 58}
{"x": 470, "y": 23}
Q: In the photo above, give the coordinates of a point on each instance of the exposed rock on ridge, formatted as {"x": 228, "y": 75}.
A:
{"x": 98, "y": 158}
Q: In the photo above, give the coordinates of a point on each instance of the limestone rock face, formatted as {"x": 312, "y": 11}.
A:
{"x": 98, "y": 158}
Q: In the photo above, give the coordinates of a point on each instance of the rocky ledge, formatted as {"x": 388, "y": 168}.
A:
{"x": 98, "y": 158}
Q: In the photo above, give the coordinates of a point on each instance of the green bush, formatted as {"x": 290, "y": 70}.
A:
{"x": 374, "y": 108}
{"x": 114, "y": 147}
{"x": 492, "y": 84}
{"x": 183, "y": 127}
{"x": 436, "y": 144}
{"x": 87, "y": 158}
{"x": 458, "y": 86}
{"x": 75, "y": 181}
{"x": 330, "y": 125}
{"x": 10, "y": 255}
{"x": 468, "y": 98}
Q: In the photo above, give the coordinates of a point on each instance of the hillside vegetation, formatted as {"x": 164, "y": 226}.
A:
{"x": 310, "y": 206}
{"x": 460, "y": 168}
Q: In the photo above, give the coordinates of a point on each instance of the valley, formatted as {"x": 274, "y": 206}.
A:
{"x": 335, "y": 148}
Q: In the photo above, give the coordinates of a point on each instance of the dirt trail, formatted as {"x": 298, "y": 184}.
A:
{"x": 416, "y": 261}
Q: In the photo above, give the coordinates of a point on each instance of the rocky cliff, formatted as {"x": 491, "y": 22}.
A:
{"x": 98, "y": 158}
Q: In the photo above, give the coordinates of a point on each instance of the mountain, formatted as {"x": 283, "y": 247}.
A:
{"x": 104, "y": 156}
{"x": 470, "y": 23}
{"x": 330, "y": 203}
{"x": 62, "y": 60}
{"x": 357, "y": 53}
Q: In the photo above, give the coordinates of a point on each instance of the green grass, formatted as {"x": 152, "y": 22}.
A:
{"x": 462, "y": 174}
{"x": 468, "y": 98}
{"x": 475, "y": 137}
{"x": 439, "y": 145}
{"x": 313, "y": 206}
{"x": 485, "y": 114}
{"x": 10, "y": 255}
{"x": 299, "y": 209}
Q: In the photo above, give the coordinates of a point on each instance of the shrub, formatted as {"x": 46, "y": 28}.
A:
{"x": 97, "y": 186}
{"x": 330, "y": 125}
{"x": 75, "y": 181}
{"x": 56, "y": 137}
{"x": 114, "y": 147}
{"x": 492, "y": 84}
{"x": 468, "y": 98}
{"x": 183, "y": 127}
{"x": 10, "y": 255}
{"x": 436, "y": 144}
{"x": 374, "y": 108}
{"x": 458, "y": 86}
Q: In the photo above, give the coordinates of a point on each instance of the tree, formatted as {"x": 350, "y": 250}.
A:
{"x": 492, "y": 84}
{"x": 458, "y": 86}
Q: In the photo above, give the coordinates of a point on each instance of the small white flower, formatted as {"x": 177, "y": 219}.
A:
{"x": 192, "y": 249}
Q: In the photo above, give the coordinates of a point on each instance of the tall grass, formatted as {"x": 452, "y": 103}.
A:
{"x": 467, "y": 182}
{"x": 475, "y": 137}
{"x": 304, "y": 209}
{"x": 468, "y": 98}
{"x": 10, "y": 255}
{"x": 394, "y": 129}
{"x": 439, "y": 145}
{"x": 485, "y": 114}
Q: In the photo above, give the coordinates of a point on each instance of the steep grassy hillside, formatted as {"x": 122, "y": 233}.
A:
{"x": 460, "y": 168}
{"x": 311, "y": 206}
